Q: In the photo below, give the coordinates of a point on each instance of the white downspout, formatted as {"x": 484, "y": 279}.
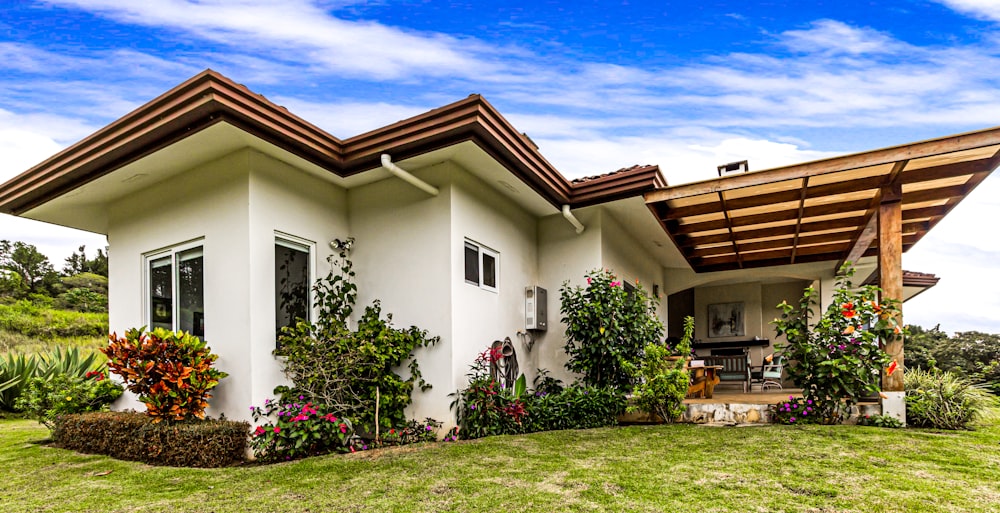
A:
{"x": 572, "y": 219}
{"x": 407, "y": 177}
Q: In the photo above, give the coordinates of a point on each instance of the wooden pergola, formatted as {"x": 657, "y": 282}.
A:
{"x": 876, "y": 203}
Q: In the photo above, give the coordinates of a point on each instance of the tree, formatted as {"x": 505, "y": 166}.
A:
{"x": 607, "y": 328}
{"x": 37, "y": 273}
{"x": 79, "y": 263}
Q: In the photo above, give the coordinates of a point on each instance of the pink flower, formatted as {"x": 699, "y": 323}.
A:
{"x": 277, "y": 429}
{"x": 588, "y": 280}
{"x": 259, "y": 431}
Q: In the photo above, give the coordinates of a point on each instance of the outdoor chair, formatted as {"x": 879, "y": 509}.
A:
{"x": 735, "y": 369}
{"x": 769, "y": 374}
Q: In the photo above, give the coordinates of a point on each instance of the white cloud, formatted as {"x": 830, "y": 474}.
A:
{"x": 345, "y": 120}
{"x": 983, "y": 9}
{"x": 834, "y": 37}
{"x": 302, "y": 31}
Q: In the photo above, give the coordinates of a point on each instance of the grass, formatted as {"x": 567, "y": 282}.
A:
{"x": 18, "y": 343}
{"x": 639, "y": 468}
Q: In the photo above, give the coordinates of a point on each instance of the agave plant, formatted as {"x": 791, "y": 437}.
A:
{"x": 15, "y": 371}
{"x": 69, "y": 362}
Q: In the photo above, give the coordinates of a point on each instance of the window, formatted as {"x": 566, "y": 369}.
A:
{"x": 481, "y": 266}
{"x": 176, "y": 290}
{"x": 291, "y": 283}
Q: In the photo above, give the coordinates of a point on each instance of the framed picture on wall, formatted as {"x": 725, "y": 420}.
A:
{"x": 726, "y": 320}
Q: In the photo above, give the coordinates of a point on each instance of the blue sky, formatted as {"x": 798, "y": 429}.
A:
{"x": 598, "y": 85}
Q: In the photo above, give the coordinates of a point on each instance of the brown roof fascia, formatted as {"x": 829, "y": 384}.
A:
{"x": 969, "y": 140}
{"x": 621, "y": 184}
{"x": 200, "y": 102}
{"x": 209, "y": 98}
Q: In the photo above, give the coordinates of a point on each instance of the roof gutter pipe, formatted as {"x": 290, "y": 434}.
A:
{"x": 407, "y": 177}
{"x": 572, "y": 219}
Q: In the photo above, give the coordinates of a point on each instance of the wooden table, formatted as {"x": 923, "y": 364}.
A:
{"x": 703, "y": 381}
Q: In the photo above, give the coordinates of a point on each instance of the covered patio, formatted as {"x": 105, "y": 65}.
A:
{"x": 866, "y": 208}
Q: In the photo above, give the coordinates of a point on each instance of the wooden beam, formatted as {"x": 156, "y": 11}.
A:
{"x": 891, "y": 155}
{"x": 890, "y": 264}
{"x": 867, "y": 235}
{"x": 775, "y": 231}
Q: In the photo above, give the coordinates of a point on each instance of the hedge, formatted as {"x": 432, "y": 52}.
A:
{"x": 135, "y": 437}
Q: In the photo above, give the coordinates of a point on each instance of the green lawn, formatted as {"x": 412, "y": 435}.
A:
{"x": 650, "y": 468}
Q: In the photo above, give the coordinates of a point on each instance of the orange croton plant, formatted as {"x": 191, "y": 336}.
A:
{"x": 170, "y": 372}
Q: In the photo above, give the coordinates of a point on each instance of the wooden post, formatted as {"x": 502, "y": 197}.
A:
{"x": 890, "y": 263}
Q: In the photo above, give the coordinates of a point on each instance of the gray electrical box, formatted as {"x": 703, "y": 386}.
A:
{"x": 536, "y": 310}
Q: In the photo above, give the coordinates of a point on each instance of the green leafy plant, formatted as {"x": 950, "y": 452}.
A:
{"x": 15, "y": 372}
{"x": 607, "y": 328}
{"x": 944, "y": 400}
{"x": 877, "y": 420}
{"x": 352, "y": 371}
{"x": 47, "y": 398}
{"x": 663, "y": 383}
{"x": 170, "y": 372}
{"x": 796, "y": 410}
{"x": 484, "y": 408}
{"x": 838, "y": 360}
{"x": 297, "y": 430}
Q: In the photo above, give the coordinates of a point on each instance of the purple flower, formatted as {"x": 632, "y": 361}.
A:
{"x": 428, "y": 428}
{"x": 791, "y": 419}
{"x": 472, "y": 407}
{"x": 301, "y": 397}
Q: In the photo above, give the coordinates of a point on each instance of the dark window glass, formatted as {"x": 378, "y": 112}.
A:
{"x": 489, "y": 270}
{"x": 291, "y": 286}
{"x": 191, "y": 292}
{"x": 161, "y": 294}
{"x": 471, "y": 263}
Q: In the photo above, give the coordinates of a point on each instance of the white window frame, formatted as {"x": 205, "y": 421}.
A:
{"x": 147, "y": 286}
{"x": 482, "y": 252}
{"x": 298, "y": 243}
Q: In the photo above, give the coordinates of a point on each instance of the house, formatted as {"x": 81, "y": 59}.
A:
{"x": 210, "y": 194}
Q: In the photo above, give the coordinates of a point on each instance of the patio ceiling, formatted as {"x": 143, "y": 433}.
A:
{"x": 824, "y": 210}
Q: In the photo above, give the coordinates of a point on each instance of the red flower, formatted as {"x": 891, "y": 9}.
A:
{"x": 891, "y": 369}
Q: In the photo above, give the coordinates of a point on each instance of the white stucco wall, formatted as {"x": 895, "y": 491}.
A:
{"x": 623, "y": 254}
{"x": 209, "y": 203}
{"x": 286, "y": 200}
{"x": 481, "y": 316}
{"x": 563, "y": 256}
{"x": 402, "y": 256}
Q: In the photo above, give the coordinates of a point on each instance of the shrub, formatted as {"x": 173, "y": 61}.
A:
{"x": 351, "y": 372}
{"x": 297, "y": 430}
{"x": 884, "y": 421}
{"x": 573, "y": 407}
{"x": 663, "y": 383}
{"x": 838, "y": 360}
{"x": 170, "y": 372}
{"x": 796, "y": 411}
{"x": 47, "y": 398}
{"x": 484, "y": 408}
{"x": 607, "y": 328}
{"x": 413, "y": 432}
{"x": 17, "y": 370}
{"x": 137, "y": 437}
{"x": 944, "y": 400}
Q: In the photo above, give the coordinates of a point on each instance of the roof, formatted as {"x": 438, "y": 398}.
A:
{"x": 822, "y": 210}
{"x": 210, "y": 98}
